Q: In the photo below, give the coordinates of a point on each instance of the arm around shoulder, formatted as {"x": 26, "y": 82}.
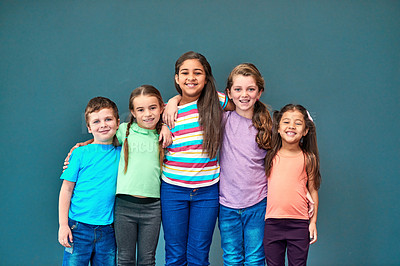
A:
{"x": 170, "y": 113}
{"x": 230, "y": 106}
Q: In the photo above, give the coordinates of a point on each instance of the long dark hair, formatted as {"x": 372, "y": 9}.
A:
{"x": 308, "y": 144}
{"x": 210, "y": 110}
{"x": 261, "y": 118}
{"x": 146, "y": 90}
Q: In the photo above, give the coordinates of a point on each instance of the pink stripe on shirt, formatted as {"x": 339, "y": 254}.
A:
{"x": 190, "y": 112}
{"x": 190, "y": 165}
{"x": 187, "y": 131}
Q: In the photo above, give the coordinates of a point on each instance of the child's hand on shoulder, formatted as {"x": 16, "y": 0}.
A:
{"x": 65, "y": 236}
{"x": 170, "y": 113}
{"x": 66, "y": 160}
{"x": 311, "y": 205}
{"x": 165, "y": 136}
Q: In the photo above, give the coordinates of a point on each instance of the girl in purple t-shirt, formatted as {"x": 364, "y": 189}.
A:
{"x": 243, "y": 185}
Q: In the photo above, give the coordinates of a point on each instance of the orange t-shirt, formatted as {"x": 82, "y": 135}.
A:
{"x": 287, "y": 188}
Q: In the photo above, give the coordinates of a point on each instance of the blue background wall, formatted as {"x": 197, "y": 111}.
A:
{"x": 341, "y": 59}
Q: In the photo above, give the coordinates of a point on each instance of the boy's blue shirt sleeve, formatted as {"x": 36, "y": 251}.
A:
{"x": 71, "y": 173}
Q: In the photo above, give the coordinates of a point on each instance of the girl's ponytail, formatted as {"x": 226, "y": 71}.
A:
{"x": 126, "y": 145}
{"x": 161, "y": 150}
{"x": 263, "y": 123}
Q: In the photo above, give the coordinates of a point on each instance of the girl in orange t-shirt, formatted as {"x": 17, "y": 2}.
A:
{"x": 292, "y": 167}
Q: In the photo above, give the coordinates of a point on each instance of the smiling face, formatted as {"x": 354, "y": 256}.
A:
{"x": 191, "y": 78}
{"x": 244, "y": 93}
{"x": 146, "y": 110}
{"x": 292, "y": 127}
{"x": 103, "y": 124}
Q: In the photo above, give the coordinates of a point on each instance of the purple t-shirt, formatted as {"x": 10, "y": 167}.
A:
{"x": 242, "y": 178}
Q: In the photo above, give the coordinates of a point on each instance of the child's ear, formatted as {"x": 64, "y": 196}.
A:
{"x": 259, "y": 95}
{"x": 88, "y": 129}
{"x": 176, "y": 79}
{"x": 132, "y": 113}
{"x": 118, "y": 123}
{"x": 305, "y": 132}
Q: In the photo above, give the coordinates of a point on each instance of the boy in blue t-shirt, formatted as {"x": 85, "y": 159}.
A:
{"x": 86, "y": 203}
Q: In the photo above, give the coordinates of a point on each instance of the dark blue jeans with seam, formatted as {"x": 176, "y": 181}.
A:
{"x": 188, "y": 218}
{"x": 91, "y": 243}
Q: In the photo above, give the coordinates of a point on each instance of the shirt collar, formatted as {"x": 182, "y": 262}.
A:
{"x": 135, "y": 127}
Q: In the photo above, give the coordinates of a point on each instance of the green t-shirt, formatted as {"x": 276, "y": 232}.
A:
{"x": 142, "y": 177}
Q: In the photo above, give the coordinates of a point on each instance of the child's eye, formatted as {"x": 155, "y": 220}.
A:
{"x": 139, "y": 110}
{"x": 237, "y": 89}
{"x": 95, "y": 121}
{"x": 108, "y": 119}
{"x": 252, "y": 89}
{"x": 184, "y": 73}
{"x": 198, "y": 73}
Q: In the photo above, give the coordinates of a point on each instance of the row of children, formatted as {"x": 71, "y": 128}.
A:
{"x": 193, "y": 189}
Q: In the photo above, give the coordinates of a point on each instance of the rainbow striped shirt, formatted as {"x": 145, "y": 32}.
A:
{"x": 185, "y": 164}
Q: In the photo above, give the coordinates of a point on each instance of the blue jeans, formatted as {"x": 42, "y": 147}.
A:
{"x": 242, "y": 234}
{"x": 92, "y": 243}
{"x": 188, "y": 218}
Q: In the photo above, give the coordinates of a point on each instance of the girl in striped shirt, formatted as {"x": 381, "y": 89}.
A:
{"x": 189, "y": 189}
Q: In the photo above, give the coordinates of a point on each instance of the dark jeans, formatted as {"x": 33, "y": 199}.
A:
{"x": 92, "y": 243}
{"x": 137, "y": 226}
{"x": 286, "y": 234}
{"x": 189, "y": 216}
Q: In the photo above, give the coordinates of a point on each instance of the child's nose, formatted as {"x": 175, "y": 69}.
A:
{"x": 191, "y": 76}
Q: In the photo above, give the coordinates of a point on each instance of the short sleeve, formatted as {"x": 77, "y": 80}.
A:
{"x": 222, "y": 99}
{"x": 71, "y": 173}
{"x": 121, "y": 132}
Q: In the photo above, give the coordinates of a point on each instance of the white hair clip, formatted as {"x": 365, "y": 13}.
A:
{"x": 309, "y": 116}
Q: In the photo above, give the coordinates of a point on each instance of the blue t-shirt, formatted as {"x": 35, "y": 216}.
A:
{"x": 94, "y": 170}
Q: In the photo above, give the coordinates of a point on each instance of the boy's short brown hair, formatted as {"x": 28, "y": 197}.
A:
{"x": 99, "y": 103}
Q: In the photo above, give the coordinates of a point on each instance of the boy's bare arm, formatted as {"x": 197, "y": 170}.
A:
{"x": 64, "y": 232}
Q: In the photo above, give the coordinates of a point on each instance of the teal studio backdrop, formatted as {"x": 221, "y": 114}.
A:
{"x": 340, "y": 59}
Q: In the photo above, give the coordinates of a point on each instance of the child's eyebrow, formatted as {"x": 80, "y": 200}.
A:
{"x": 196, "y": 69}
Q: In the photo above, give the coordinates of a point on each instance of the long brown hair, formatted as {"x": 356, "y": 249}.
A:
{"x": 308, "y": 144}
{"x": 210, "y": 110}
{"x": 261, "y": 118}
{"x": 146, "y": 90}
